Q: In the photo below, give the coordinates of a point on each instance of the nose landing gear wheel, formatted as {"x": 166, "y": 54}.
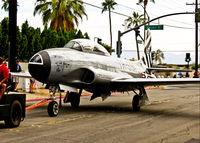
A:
{"x": 53, "y": 109}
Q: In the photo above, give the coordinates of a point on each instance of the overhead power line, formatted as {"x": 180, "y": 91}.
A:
{"x": 156, "y": 14}
{"x": 102, "y": 8}
{"x": 130, "y": 16}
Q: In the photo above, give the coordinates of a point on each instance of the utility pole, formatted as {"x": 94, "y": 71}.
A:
{"x": 120, "y": 34}
{"x": 196, "y": 35}
{"x": 196, "y": 40}
{"x": 12, "y": 34}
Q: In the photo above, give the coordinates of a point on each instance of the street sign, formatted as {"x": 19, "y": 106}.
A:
{"x": 154, "y": 27}
{"x": 139, "y": 41}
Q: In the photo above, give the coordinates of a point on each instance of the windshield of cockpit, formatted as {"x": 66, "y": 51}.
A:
{"x": 73, "y": 45}
{"x": 87, "y": 47}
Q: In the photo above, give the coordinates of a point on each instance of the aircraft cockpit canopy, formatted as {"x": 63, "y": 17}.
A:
{"x": 87, "y": 46}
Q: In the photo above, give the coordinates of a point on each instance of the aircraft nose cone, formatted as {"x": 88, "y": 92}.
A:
{"x": 39, "y": 66}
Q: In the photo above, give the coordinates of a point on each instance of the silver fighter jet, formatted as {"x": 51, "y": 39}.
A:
{"x": 86, "y": 65}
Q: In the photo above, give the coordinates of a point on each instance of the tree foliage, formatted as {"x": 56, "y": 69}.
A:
{"x": 108, "y": 5}
{"x": 158, "y": 56}
{"x": 31, "y": 40}
{"x": 62, "y": 14}
{"x": 145, "y": 2}
{"x": 134, "y": 21}
{"x": 4, "y": 37}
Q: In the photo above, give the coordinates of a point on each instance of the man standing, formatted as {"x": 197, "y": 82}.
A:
{"x": 16, "y": 79}
{"x": 4, "y": 76}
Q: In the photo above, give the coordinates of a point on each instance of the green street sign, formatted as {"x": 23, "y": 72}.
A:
{"x": 154, "y": 27}
{"x": 139, "y": 41}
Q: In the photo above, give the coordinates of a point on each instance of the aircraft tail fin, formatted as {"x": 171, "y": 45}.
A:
{"x": 147, "y": 58}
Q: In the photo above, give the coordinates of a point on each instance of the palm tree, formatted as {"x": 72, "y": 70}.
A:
{"x": 5, "y": 5}
{"x": 135, "y": 21}
{"x": 62, "y": 14}
{"x": 108, "y": 5}
{"x": 145, "y": 5}
{"x": 158, "y": 56}
{"x": 146, "y": 2}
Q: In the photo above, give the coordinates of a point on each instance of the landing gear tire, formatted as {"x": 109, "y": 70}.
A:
{"x": 135, "y": 103}
{"x": 15, "y": 114}
{"x": 75, "y": 100}
{"x": 53, "y": 109}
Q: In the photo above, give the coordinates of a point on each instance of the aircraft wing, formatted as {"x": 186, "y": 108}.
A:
{"x": 21, "y": 74}
{"x": 134, "y": 82}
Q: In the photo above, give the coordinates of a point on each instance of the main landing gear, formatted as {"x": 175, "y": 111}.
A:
{"x": 73, "y": 98}
{"x": 53, "y": 106}
{"x": 139, "y": 99}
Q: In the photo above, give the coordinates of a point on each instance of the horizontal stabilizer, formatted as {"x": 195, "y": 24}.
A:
{"x": 156, "y": 81}
{"x": 167, "y": 70}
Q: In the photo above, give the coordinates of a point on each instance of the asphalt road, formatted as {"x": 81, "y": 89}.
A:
{"x": 172, "y": 117}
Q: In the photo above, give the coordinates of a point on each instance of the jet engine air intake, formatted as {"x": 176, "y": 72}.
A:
{"x": 87, "y": 76}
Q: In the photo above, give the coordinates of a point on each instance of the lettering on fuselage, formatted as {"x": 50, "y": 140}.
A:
{"x": 62, "y": 66}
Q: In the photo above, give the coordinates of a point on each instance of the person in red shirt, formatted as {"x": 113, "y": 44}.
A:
{"x": 4, "y": 76}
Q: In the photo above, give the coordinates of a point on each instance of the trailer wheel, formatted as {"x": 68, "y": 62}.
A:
{"x": 53, "y": 109}
{"x": 15, "y": 114}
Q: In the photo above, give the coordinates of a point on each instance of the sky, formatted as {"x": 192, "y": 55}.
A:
{"x": 178, "y": 33}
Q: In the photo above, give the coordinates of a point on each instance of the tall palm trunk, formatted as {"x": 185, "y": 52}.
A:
{"x": 137, "y": 46}
{"x": 110, "y": 32}
{"x": 144, "y": 21}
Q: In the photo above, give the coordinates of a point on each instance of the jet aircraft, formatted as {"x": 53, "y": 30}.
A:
{"x": 86, "y": 65}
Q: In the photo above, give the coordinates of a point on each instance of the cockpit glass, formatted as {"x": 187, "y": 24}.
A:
{"x": 87, "y": 46}
{"x": 94, "y": 48}
{"x": 76, "y": 46}
{"x": 73, "y": 45}
{"x": 69, "y": 44}
{"x": 37, "y": 59}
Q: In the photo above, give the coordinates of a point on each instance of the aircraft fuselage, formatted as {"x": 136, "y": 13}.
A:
{"x": 75, "y": 68}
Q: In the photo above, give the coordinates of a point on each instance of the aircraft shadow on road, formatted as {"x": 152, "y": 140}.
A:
{"x": 145, "y": 111}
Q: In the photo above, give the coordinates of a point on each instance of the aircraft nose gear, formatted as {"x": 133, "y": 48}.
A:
{"x": 140, "y": 99}
{"x": 53, "y": 107}
{"x": 52, "y": 91}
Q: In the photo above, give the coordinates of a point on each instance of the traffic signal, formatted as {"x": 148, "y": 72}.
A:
{"x": 119, "y": 48}
{"x": 137, "y": 32}
{"x": 187, "y": 58}
{"x": 153, "y": 56}
{"x": 99, "y": 40}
